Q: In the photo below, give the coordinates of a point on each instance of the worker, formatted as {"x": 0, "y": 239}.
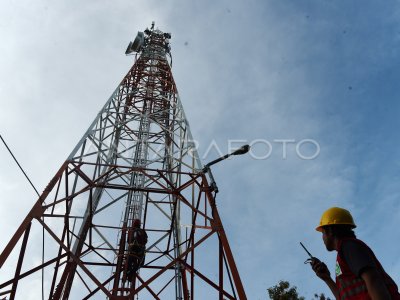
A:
{"x": 359, "y": 274}
{"x": 136, "y": 250}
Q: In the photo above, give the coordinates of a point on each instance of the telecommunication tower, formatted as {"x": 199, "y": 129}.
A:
{"x": 137, "y": 161}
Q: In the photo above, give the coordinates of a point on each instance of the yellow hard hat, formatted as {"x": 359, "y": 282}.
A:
{"x": 336, "y": 216}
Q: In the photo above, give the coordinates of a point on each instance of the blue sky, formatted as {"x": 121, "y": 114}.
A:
{"x": 256, "y": 70}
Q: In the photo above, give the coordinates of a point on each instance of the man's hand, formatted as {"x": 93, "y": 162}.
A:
{"x": 320, "y": 269}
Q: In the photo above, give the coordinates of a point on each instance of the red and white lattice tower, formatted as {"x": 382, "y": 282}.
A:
{"x": 137, "y": 160}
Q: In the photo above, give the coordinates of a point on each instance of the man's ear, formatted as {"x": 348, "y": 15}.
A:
{"x": 328, "y": 231}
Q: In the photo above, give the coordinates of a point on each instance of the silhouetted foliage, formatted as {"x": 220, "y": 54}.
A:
{"x": 283, "y": 291}
{"x": 321, "y": 297}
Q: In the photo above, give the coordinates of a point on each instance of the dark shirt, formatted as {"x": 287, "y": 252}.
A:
{"x": 357, "y": 256}
{"x": 139, "y": 236}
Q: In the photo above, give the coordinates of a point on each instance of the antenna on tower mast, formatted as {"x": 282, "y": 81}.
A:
{"x": 136, "y": 45}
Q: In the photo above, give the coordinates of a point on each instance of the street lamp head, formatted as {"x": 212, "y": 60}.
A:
{"x": 244, "y": 149}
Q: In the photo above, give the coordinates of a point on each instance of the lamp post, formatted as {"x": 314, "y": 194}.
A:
{"x": 242, "y": 150}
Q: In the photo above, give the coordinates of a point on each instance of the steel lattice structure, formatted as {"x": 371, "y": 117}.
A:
{"x": 137, "y": 160}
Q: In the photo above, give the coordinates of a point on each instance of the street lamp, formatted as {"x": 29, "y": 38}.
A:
{"x": 242, "y": 150}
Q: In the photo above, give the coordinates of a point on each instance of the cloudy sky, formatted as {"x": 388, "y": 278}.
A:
{"x": 321, "y": 74}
